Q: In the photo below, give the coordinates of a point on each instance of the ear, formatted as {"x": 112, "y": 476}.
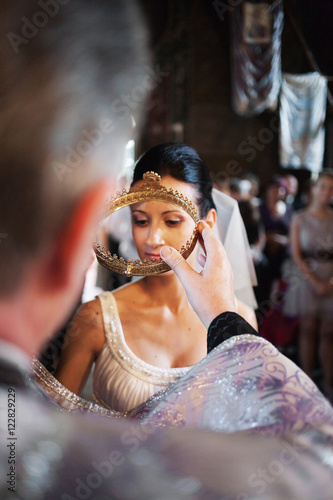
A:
{"x": 211, "y": 217}
{"x": 70, "y": 255}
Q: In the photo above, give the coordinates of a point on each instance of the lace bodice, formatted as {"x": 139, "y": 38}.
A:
{"x": 121, "y": 379}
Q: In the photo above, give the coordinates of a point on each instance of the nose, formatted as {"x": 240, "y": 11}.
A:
{"x": 155, "y": 237}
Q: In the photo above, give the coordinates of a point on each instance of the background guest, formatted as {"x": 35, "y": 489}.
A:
{"x": 310, "y": 292}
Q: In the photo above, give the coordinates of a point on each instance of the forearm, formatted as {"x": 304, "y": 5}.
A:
{"x": 72, "y": 379}
{"x": 225, "y": 326}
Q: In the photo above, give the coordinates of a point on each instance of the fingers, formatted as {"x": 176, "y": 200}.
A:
{"x": 211, "y": 291}
{"x": 210, "y": 240}
{"x": 200, "y": 238}
{"x": 214, "y": 250}
{"x": 202, "y": 259}
{"x": 177, "y": 263}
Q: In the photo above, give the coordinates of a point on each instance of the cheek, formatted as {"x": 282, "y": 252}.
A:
{"x": 139, "y": 236}
{"x": 325, "y": 194}
{"x": 189, "y": 229}
{"x": 182, "y": 240}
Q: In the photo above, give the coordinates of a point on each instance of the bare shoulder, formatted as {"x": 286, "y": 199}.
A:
{"x": 88, "y": 324}
{"x": 247, "y": 313}
{"x": 128, "y": 294}
{"x": 90, "y": 313}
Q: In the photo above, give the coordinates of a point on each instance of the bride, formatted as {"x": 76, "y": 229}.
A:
{"x": 145, "y": 336}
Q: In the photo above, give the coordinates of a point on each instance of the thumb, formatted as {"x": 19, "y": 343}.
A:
{"x": 177, "y": 263}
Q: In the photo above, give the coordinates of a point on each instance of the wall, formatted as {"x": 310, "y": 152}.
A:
{"x": 192, "y": 100}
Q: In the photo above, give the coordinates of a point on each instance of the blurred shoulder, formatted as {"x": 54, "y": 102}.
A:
{"x": 300, "y": 215}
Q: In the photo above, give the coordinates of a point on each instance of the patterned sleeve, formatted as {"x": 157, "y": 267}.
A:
{"x": 225, "y": 326}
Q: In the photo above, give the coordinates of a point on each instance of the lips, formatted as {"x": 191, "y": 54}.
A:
{"x": 151, "y": 256}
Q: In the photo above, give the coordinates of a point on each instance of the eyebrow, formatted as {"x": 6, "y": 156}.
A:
{"x": 163, "y": 213}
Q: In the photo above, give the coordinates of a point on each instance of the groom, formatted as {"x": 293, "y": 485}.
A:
{"x": 65, "y": 65}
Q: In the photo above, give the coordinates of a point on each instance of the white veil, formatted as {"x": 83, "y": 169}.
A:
{"x": 231, "y": 231}
{"x": 229, "y": 228}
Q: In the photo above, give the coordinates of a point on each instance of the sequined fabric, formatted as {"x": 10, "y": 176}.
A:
{"x": 245, "y": 383}
{"x": 273, "y": 437}
{"x": 71, "y": 457}
{"x": 66, "y": 399}
{"x": 70, "y": 402}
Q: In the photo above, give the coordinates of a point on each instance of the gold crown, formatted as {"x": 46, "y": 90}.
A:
{"x": 150, "y": 190}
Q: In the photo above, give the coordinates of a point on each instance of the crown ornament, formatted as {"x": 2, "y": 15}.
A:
{"x": 150, "y": 190}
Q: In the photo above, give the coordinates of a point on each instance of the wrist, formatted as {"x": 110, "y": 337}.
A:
{"x": 217, "y": 311}
{"x": 227, "y": 325}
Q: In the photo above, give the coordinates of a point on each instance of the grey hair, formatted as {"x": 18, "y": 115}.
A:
{"x": 63, "y": 66}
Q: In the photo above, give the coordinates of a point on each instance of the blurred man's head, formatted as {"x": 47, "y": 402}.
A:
{"x": 63, "y": 68}
{"x": 66, "y": 69}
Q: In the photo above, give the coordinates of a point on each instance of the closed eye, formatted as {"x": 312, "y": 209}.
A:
{"x": 140, "y": 222}
{"x": 173, "y": 223}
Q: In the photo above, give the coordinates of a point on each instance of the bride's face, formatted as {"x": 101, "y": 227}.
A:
{"x": 156, "y": 223}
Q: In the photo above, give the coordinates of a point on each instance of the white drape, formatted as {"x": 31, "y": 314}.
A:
{"x": 302, "y": 116}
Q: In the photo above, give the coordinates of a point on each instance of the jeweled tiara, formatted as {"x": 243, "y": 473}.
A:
{"x": 150, "y": 190}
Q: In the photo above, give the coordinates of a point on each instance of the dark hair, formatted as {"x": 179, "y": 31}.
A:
{"x": 326, "y": 173}
{"x": 183, "y": 163}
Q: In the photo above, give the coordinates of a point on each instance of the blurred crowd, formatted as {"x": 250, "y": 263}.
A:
{"x": 290, "y": 231}
{"x": 267, "y": 212}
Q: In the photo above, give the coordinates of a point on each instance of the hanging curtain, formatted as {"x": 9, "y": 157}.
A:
{"x": 302, "y": 116}
{"x": 256, "y": 56}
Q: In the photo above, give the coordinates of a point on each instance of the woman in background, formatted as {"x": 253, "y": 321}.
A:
{"x": 311, "y": 295}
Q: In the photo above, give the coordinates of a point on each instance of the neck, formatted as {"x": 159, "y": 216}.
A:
{"x": 19, "y": 323}
{"x": 14, "y": 328}
{"x": 317, "y": 207}
{"x": 165, "y": 290}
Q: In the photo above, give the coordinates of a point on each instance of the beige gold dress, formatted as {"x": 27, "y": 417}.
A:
{"x": 316, "y": 240}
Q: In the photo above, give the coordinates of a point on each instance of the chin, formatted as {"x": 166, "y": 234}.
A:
{"x": 167, "y": 273}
